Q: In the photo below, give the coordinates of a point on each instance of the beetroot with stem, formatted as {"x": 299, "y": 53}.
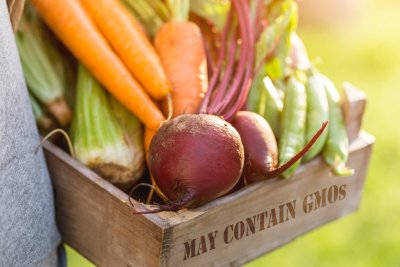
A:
{"x": 195, "y": 158}
{"x": 261, "y": 150}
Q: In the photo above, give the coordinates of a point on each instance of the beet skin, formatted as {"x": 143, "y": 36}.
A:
{"x": 195, "y": 158}
{"x": 260, "y": 147}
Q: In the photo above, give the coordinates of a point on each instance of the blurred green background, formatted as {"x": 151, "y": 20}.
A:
{"x": 363, "y": 48}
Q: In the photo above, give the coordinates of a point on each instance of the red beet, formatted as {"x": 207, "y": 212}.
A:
{"x": 195, "y": 159}
{"x": 260, "y": 147}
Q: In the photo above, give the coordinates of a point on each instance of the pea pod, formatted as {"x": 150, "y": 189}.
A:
{"x": 317, "y": 113}
{"x": 270, "y": 105}
{"x": 293, "y": 122}
{"x": 336, "y": 150}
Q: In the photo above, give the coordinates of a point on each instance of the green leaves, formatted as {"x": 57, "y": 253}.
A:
{"x": 211, "y": 10}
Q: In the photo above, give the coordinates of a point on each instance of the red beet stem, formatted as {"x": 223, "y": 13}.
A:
{"x": 215, "y": 76}
{"x": 259, "y": 19}
{"x": 227, "y": 75}
{"x": 210, "y": 62}
{"x": 281, "y": 169}
{"x": 238, "y": 76}
{"x": 230, "y": 95}
{"x": 232, "y": 92}
{"x": 243, "y": 14}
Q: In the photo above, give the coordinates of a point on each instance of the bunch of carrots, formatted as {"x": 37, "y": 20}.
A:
{"x": 138, "y": 66}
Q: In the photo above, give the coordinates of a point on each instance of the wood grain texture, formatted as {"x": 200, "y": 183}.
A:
{"x": 95, "y": 218}
{"x": 354, "y": 103}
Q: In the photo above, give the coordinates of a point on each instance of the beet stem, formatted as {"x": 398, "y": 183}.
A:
{"x": 243, "y": 13}
{"x": 210, "y": 61}
{"x": 227, "y": 74}
{"x": 241, "y": 70}
{"x": 215, "y": 76}
{"x": 281, "y": 169}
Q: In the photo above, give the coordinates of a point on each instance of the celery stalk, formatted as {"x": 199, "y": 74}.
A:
{"x": 41, "y": 74}
{"x": 133, "y": 135}
{"x": 112, "y": 149}
{"x": 152, "y": 14}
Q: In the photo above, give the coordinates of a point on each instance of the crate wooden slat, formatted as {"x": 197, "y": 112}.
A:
{"x": 95, "y": 218}
{"x": 354, "y": 103}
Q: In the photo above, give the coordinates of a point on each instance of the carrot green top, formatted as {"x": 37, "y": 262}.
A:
{"x": 179, "y": 9}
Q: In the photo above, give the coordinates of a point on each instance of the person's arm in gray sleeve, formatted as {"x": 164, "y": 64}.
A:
{"x": 28, "y": 232}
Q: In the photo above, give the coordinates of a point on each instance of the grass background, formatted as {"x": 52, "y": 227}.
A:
{"x": 366, "y": 53}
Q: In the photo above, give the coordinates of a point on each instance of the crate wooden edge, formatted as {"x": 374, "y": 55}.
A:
{"x": 168, "y": 219}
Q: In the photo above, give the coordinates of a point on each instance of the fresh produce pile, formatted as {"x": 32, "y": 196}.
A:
{"x": 211, "y": 95}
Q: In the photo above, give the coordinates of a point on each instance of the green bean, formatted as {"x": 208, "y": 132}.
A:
{"x": 317, "y": 113}
{"x": 336, "y": 150}
{"x": 293, "y": 121}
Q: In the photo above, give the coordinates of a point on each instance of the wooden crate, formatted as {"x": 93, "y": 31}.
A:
{"x": 95, "y": 218}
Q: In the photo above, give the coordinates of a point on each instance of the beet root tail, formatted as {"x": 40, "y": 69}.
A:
{"x": 281, "y": 169}
{"x": 171, "y": 206}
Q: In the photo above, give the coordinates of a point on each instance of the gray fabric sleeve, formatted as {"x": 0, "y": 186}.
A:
{"x": 28, "y": 233}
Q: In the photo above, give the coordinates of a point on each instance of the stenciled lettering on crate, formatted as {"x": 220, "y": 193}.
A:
{"x": 264, "y": 220}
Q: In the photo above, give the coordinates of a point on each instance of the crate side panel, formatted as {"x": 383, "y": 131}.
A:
{"x": 95, "y": 222}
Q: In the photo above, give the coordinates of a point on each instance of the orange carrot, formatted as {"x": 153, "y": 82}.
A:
{"x": 180, "y": 46}
{"x": 123, "y": 32}
{"x": 72, "y": 24}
